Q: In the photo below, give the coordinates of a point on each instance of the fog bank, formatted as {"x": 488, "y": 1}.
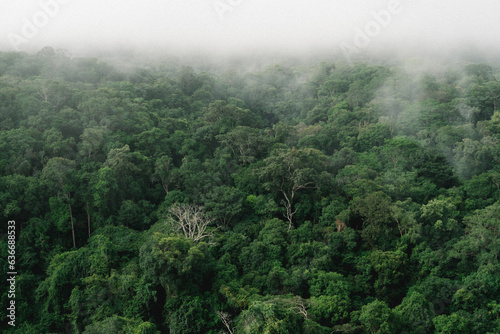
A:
{"x": 240, "y": 27}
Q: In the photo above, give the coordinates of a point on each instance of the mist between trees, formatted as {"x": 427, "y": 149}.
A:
{"x": 294, "y": 198}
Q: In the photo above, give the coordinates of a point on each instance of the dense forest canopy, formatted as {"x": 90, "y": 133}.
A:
{"x": 317, "y": 198}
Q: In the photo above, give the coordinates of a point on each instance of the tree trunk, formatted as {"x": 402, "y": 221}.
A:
{"x": 165, "y": 186}
{"x": 71, "y": 218}
{"x": 289, "y": 209}
{"x": 88, "y": 218}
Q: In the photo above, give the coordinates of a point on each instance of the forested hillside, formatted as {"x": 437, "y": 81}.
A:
{"x": 325, "y": 198}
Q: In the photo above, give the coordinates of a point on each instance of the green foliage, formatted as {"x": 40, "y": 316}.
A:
{"x": 116, "y": 324}
{"x": 194, "y": 315}
{"x": 340, "y": 198}
{"x": 224, "y": 203}
{"x": 271, "y": 315}
{"x": 415, "y": 313}
{"x": 390, "y": 268}
{"x": 289, "y": 171}
{"x": 174, "y": 262}
{"x": 105, "y": 191}
{"x": 378, "y": 225}
{"x": 330, "y": 301}
{"x": 454, "y": 323}
{"x": 376, "y": 317}
{"x": 268, "y": 250}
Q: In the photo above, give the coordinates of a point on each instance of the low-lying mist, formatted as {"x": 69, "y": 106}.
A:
{"x": 225, "y": 30}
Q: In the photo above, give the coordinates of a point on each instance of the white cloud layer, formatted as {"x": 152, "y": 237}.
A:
{"x": 226, "y": 26}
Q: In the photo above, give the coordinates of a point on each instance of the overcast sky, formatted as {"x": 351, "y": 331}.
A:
{"x": 241, "y": 25}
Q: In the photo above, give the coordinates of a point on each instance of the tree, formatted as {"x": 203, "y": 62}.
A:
{"x": 482, "y": 190}
{"x": 55, "y": 145}
{"x": 436, "y": 169}
{"x": 270, "y": 315}
{"x": 456, "y": 323}
{"x": 22, "y": 197}
{"x": 165, "y": 172}
{"x": 176, "y": 263}
{"x": 92, "y": 141}
{"x": 58, "y": 172}
{"x": 225, "y": 117}
{"x": 225, "y": 318}
{"x": 330, "y": 301}
{"x": 224, "y": 203}
{"x": 289, "y": 171}
{"x": 134, "y": 215}
{"x": 404, "y": 213}
{"x": 191, "y": 221}
{"x": 64, "y": 272}
{"x": 400, "y": 153}
{"x": 441, "y": 215}
{"x": 390, "y": 271}
{"x": 85, "y": 191}
{"x": 415, "y": 313}
{"x": 127, "y": 166}
{"x": 268, "y": 251}
{"x": 154, "y": 142}
{"x": 477, "y": 250}
{"x": 474, "y": 157}
{"x": 245, "y": 143}
{"x": 117, "y": 324}
{"x": 375, "y": 210}
{"x": 120, "y": 160}
{"x": 189, "y": 81}
{"x": 376, "y": 317}
{"x": 105, "y": 191}
{"x": 194, "y": 315}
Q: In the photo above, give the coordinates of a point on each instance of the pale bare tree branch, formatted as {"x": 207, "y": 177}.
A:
{"x": 226, "y": 320}
{"x": 191, "y": 221}
{"x": 300, "y": 306}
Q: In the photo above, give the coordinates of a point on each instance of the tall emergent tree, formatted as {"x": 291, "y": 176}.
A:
{"x": 58, "y": 172}
{"x": 290, "y": 170}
